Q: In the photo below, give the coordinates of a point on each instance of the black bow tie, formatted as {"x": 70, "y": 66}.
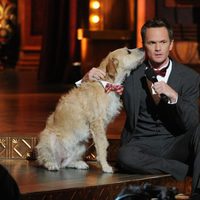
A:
{"x": 162, "y": 71}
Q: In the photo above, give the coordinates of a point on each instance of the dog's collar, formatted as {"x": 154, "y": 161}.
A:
{"x": 103, "y": 83}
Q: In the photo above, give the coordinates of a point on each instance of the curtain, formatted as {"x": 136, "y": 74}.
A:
{"x": 59, "y": 40}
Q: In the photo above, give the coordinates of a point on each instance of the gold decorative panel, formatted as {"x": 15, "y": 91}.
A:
{"x": 16, "y": 147}
{"x": 23, "y": 148}
{"x": 4, "y": 146}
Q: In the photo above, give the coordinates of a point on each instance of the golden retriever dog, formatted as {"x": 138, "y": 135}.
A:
{"x": 83, "y": 113}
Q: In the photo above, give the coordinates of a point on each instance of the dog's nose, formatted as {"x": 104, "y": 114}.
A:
{"x": 129, "y": 51}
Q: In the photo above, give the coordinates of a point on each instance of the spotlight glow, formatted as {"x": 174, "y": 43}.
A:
{"x": 95, "y": 5}
{"x": 94, "y": 19}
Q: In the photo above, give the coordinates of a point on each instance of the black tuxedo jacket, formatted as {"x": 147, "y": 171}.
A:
{"x": 180, "y": 116}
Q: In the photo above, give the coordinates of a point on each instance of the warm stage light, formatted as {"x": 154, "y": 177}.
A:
{"x": 94, "y": 19}
{"x": 95, "y": 15}
{"x": 95, "y": 5}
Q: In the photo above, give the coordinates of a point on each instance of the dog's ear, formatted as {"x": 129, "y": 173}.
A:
{"x": 111, "y": 67}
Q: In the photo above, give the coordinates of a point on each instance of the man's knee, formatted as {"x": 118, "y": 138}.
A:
{"x": 123, "y": 157}
{"x": 127, "y": 158}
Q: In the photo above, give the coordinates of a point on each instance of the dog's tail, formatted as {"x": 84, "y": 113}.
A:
{"x": 47, "y": 151}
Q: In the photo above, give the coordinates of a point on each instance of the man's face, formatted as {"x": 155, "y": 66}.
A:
{"x": 157, "y": 45}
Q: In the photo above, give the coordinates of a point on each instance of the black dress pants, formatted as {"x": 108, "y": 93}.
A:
{"x": 160, "y": 154}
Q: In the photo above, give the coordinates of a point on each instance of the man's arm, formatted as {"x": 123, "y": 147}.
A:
{"x": 185, "y": 112}
{"x": 94, "y": 74}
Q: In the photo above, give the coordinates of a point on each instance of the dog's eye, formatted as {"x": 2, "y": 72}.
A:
{"x": 129, "y": 52}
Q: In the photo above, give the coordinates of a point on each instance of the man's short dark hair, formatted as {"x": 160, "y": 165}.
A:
{"x": 155, "y": 23}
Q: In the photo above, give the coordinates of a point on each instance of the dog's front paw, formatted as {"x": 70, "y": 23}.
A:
{"x": 108, "y": 169}
{"x": 81, "y": 165}
{"x": 51, "y": 166}
{"x": 78, "y": 165}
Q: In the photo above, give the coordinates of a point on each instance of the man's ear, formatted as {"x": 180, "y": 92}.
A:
{"x": 171, "y": 45}
{"x": 111, "y": 67}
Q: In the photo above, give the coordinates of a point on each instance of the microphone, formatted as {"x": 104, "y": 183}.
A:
{"x": 150, "y": 74}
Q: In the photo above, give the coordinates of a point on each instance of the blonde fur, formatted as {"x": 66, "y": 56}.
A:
{"x": 85, "y": 112}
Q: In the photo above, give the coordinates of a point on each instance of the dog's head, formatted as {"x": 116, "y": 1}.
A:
{"x": 119, "y": 63}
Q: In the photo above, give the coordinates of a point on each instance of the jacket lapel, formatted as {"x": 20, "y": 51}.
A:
{"x": 136, "y": 78}
{"x": 174, "y": 80}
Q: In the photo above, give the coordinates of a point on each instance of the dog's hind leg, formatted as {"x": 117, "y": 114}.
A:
{"x": 101, "y": 144}
{"x": 47, "y": 151}
{"x": 75, "y": 158}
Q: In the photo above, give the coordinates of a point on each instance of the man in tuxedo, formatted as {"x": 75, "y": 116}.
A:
{"x": 161, "y": 132}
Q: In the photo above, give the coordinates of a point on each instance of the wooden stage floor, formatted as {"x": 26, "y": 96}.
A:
{"x": 25, "y": 103}
{"x": 24, "y": 107}
{"x": 71, "y": 184}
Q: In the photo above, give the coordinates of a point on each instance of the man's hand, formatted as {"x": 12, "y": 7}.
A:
{"x": 94, "y": 74}
{"x": 161, "y": 87}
